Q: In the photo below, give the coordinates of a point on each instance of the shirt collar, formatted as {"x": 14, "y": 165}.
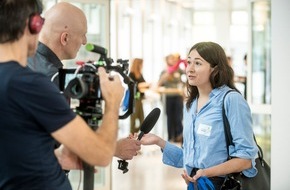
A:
{"x": 217, "y": 91}
{"x": 49, "y": 54}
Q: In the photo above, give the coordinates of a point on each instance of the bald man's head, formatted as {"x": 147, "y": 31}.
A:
{"x": 64, "y": 30}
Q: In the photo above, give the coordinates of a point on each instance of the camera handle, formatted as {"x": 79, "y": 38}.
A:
{"x": 92, "y": 116}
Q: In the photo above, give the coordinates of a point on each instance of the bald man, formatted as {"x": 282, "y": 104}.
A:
{"x": 61, "y": 38}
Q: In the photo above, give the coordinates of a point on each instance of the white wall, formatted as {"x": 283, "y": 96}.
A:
{"x": 280, "y": 158}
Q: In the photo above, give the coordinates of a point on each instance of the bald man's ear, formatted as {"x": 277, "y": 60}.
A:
{"x": 64, "y": 38}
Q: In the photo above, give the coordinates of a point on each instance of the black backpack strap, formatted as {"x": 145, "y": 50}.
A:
{"x": 227, "y": 129}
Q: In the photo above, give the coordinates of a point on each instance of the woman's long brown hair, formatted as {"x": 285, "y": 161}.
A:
{"x": 223, "y": 74}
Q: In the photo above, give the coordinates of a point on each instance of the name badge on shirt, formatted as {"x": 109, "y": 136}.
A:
{"x": 204, "y": 129}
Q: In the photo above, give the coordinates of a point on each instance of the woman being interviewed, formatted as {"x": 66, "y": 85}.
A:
{"x": 204, "y": 151}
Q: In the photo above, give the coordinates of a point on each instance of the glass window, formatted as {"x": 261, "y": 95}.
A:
{"x": 260, "y": 74}
{"x": 262, "y": 130}
{"x": 261, "y": 53}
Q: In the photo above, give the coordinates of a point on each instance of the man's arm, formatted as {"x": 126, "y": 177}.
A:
{"x": 67, "y": 159}
{"x": 126, "y": 149}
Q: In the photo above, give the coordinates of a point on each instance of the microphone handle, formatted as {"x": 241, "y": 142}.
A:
{"x": 140, "y": 135}
{"x": 123, "y": 163}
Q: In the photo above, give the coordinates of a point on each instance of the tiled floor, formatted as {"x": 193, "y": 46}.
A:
{"x": 147, "y": 172}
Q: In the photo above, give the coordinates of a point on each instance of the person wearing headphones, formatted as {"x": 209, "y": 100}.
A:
{"x": 33, "y": 112}
{"x": 60, "y": 39}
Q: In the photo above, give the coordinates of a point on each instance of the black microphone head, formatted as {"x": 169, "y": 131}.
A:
{"x": 150, "y": 121}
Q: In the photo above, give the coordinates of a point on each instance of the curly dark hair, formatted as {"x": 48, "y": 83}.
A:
{"x": 13, "y": 17}
{"x": 222, "y": 74}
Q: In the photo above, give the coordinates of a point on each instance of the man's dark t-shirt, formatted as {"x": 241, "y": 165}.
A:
{"x": 31, "y": 108}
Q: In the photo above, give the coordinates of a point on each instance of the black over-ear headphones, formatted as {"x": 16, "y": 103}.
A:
{"x": 36, "y": 22}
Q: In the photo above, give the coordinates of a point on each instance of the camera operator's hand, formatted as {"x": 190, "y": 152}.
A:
{"x": 112, "y": 89}
{"x": 127, "y": 148}
{"x": 67, "y": 159}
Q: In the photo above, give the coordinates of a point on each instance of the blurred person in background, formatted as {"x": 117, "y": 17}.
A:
{"x": 170, "y": 78}
{"x": 137, "y": 117}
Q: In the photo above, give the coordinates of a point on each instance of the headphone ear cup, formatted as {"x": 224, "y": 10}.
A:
{"x": 35, "y": 23}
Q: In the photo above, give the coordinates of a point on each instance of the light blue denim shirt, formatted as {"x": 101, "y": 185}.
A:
{"x": 204, "y": 142}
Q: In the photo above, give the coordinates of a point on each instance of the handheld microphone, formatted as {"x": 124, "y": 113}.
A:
{"x": 149, "y": 122}
{"x": 145, "y": 128}
{"x": 96, "y": 49}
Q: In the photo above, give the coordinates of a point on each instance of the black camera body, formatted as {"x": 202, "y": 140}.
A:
{"x": 82, "y": 83}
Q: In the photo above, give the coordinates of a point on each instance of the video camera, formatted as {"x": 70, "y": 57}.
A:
{"x": 82, "y": 83}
